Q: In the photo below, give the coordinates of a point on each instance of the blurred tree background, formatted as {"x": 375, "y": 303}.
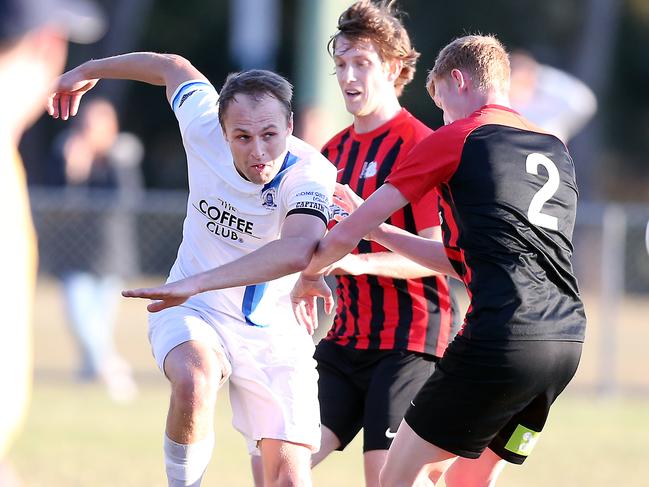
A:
{"x": 604, "y": 42}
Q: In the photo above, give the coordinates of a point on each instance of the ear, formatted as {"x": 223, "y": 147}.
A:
{"x": 290, "y": 125}
{"x": 459, "y": 80}
{"x": 394, "y": 68}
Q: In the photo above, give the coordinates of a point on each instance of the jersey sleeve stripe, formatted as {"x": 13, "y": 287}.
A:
{"x": 182, "y": 89}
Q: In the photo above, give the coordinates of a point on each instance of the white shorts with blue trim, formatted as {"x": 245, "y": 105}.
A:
{"x": 271, "y": 370}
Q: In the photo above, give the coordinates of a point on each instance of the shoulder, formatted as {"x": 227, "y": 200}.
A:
{"x": 454, "y": 134}
{"x": 414, "y": 129}
{"x": 195, "y": 105}
{"x": 196, "y": 89}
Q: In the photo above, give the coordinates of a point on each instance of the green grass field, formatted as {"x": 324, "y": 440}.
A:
{"x": 75, "y": 436}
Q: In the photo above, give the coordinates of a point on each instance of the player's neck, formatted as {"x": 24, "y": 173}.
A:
{"x": 496, "y": 98}
{"x": 383, "y": 114}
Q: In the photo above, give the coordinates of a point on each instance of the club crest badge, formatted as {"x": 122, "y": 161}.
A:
{"x": 268, "y": 198}
{"x": 368, "y": 170}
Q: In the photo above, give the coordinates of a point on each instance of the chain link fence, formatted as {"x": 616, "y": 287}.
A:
{"x": 137, "y": 234}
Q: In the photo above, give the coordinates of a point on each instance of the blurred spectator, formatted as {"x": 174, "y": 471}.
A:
{"x": 93, "y": 158}
{"x": 33, "y": 48}
{"x": 553, "y": 99}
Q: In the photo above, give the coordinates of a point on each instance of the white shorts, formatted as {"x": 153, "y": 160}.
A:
{"x": 273, "y": 378}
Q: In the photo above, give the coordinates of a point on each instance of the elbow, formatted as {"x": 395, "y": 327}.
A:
{"x": 300, "y": 256}
{"x": 177, "y": 60}
{"x": 177, "y": 63}
{"x": 174, "y": 63}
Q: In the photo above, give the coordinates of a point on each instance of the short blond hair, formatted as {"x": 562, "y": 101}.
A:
{"x": 482, "y": 57}
{"x": 379, "y": 23}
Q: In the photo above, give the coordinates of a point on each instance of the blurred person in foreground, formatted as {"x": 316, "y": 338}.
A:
{"x": 33, "y": 49}
{"x": 508, "y": 208}
{"x": 96, "y": 161}
{"x": 552, "y": 99}
{"x": 258, "y": 204}
{"x": 395, "y": 317}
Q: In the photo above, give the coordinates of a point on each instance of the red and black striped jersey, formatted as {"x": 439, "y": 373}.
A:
{"x": 376, "y": 312}
{"x": 508, "y": 201}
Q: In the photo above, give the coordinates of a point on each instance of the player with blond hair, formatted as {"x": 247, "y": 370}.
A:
{"x": 508, "y": 204}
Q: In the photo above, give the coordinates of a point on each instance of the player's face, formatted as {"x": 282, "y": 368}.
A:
{"x": 256, "y": 130}
{"x": 364, "y": 79}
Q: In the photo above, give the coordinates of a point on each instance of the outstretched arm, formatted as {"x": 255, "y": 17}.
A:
{"x": 167, "y": 70}
{"x": 346, "y": 234}
{"x": 288, "y": 254}
{"x": 364, "y": 221}
{"x": 425, "y": 250}
{"x": 387, "y": 264}
{"x": 338, "y": 242}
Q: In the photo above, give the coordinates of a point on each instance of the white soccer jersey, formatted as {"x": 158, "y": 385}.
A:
{"x": 229, "y": 216}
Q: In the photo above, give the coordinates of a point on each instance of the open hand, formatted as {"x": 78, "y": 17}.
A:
{"x": 66, "y": 95}
{"x": 303, "y": 299}
{"x": 345, "y": 199}
{"x": 166, "y": 296}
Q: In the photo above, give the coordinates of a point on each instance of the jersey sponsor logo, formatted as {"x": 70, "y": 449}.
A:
{"x": 389, "y": 434}
{"x": 223, "y": 222}
{"x": 368, "y": 170}
{"x": 268, "y": 198}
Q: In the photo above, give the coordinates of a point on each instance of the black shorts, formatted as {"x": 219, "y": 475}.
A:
{"x": 492, "y": 394}
{"x": 369, "y": 389}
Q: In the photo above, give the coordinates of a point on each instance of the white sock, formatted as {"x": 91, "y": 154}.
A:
{"x": 186, "y": 464}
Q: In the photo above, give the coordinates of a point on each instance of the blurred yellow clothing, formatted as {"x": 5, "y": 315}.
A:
{"x": 19, "y": 259}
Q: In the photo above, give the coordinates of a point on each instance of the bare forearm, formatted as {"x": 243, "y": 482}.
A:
{"x": 423, "y": 251}
{"x": 391, "y": 264}
{"x": 336, "y": 244}
{"x": 147, "y": 67}
{"x": 345, "y": 235}
{"x": 274, "y": 260}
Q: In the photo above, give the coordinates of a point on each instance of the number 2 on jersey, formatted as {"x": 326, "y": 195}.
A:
{"x": 534, "y": 213}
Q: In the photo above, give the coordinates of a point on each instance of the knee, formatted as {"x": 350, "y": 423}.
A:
{"x": 194, "y": 389}
{"x": 289, "y": 474}
{"x": 285, "y": 477}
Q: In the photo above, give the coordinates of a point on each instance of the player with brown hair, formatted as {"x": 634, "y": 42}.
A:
{"x": 395, "y": 317}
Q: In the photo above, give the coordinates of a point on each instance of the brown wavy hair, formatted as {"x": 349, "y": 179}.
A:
{"x": 379, "y": 23}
